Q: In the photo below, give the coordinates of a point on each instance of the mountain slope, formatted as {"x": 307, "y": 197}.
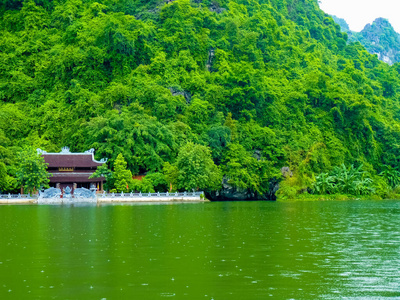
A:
{"x": 263, "y": 85}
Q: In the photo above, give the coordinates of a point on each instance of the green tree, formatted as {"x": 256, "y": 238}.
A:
{"x": 159, "y": 181}
{"x": 32, "y": 171}
{"x": 6, "y": 182}
{"x": 145, "y": 185}
{"x": 196, "y": 169}
{"x": 245, "y": 172}
{"x": 122, "y": 176}
{"x": 171, "y": 173}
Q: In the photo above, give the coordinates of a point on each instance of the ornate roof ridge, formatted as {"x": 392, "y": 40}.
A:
{"x": 66, "y": 151}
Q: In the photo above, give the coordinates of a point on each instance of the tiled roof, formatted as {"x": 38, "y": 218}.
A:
{"x": 73, "y": 177}
{"x": 75, "y": 160}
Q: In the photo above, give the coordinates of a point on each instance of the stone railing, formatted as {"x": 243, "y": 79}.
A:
{"x": 104, "y": 197}
{"x": 17, "y": 196}
{"x": 150, "y": 195}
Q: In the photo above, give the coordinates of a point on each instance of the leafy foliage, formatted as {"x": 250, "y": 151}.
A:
{"x": 122, "y": 177}
{"x": 342, "y": 180}
{"x": 104, "y": 171}
{"x": 392, "y": 176}
{"x": 158, "y": 181}
{"x": 244, "y": 171}
{"x": 196, "y": 169}
{"x": 32, "y": 171}
{"x": 145, "y": 185}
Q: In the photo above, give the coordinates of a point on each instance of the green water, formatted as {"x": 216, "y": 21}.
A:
{"x": 236, "y": 250}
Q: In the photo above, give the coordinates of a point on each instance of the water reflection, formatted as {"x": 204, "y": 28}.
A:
{"x": 243, "y": 250}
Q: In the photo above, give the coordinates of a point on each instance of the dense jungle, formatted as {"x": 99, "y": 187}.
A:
{"x": 249, "y": 99}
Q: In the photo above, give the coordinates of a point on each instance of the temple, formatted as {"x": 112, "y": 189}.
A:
{"x": 73, "y": 169}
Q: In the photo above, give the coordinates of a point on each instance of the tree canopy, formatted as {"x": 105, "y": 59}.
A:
{"x": 32, "y": 171}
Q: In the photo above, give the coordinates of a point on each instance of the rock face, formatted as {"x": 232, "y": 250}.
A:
{"x": 381, "y": 39}
{"x": 230, "y": 193}
{"x": 378, "y": 38}
{"x": 286, "y": 172}
{"x": 211, "y": 55}
{"x": 216, "y": 8}
{"x": 185, "y": 94}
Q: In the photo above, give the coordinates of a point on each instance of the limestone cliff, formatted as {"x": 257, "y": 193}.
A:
{"x": 378, "y": 38}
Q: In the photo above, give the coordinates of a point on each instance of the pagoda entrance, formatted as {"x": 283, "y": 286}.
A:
{"x": 73, "y": 169}
{"x": 74, "y": 185}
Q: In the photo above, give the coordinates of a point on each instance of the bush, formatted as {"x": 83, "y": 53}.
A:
{"x": 291, "y": 187}
{"x": 144, "y": 185}
{"x": 158, "y": 181}
{"x": 343, "y": 180}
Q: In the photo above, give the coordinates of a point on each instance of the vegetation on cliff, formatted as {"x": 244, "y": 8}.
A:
{"x": 250, "y": 85}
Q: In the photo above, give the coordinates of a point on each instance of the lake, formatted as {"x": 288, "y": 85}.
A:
{"x": 217, "y": 250}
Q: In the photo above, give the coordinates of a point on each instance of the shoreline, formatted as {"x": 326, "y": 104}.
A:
{"x": 18, "y": 201}
{"x": 337, "y": 197}
{"x": 184, "y": 199}
{"x": 101, "y": 200}
{"x": 104, "y": 198}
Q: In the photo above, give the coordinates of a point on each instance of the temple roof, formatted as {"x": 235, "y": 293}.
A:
{"x": 67, "y": 159}
{"x": 73, "y": 177}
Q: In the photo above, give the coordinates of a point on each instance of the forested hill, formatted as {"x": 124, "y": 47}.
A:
{"x": 260, "y": 85}
{"x": 378, "y": 38}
